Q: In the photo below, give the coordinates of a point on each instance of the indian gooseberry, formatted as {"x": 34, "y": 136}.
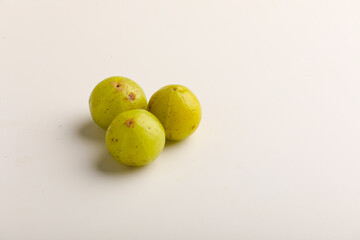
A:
{"x": 177, "y": 109}
{"x": 113, "y": 96}
{"x": 135, "y": 137}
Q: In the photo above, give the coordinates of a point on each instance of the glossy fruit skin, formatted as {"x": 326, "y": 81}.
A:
{"x": 135, "y": 137}
{"x": 178, "y": 110}
{"x": 113, "y": 96}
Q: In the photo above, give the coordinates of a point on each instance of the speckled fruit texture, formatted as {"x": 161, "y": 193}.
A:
{"x": 177, "y": 109}
{"x": 113, "y": 96}
{"x": 135, "y": 137}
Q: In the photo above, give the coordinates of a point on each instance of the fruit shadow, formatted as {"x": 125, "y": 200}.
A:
{"x": 89, "y": 130}
{"x": 169, "y": 144}
{"x": 106, "y": 164}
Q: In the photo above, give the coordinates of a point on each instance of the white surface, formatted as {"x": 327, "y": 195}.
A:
{"x": 276, "y": 155}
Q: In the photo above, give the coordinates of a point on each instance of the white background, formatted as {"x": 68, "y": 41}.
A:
{"x": 276, "y": 156}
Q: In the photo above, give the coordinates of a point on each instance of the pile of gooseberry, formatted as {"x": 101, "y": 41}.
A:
{"x": 136, "y": 130}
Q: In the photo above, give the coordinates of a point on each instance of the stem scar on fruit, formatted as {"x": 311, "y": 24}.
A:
{"x": 117, "y": 85}
{"x": 132, "y": 96}
{"x": 130, "y": 123}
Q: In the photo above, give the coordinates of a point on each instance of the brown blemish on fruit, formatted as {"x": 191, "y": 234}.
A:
{"x": 117, "y": 85}
{"x": 192, "y": 127}
{"x": 130, "y": 122}
{"x": 132, "y": 96}
{"x": 174, "y": 88}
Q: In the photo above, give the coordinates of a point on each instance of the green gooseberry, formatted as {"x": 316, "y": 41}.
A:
{"x": 135, "y": 137}
{"x": 113, "y": 96}
{"x": 178, "y": 110}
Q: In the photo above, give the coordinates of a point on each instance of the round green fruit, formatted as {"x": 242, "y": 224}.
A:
{"x": 113, "y": 96}
{"x": 135, "y": 137}
{"x": 177, "y": 109}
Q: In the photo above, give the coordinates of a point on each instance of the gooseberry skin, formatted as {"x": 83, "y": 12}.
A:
{"x": 113, "y": 96}
{"x": 178, "y": 110}
{"x": 135, "y": 137}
